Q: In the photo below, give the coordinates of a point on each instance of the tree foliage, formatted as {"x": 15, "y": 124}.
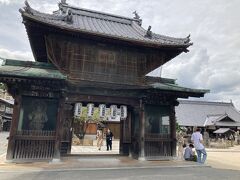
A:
{"x": 81, "y": 123}
{"x": 2, "y": 86}
{"x": 178, "y": 128}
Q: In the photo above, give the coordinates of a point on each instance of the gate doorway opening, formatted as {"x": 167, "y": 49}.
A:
{"x": 87, "y": 132}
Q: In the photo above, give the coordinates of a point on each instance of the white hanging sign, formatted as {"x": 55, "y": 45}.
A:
{"x": 78, "y": 109}
{"x": 113, "y": 111}
{"x": 90, "y": 110}
{"x": 123, "y": 112}
{"x": 102, "y": 110}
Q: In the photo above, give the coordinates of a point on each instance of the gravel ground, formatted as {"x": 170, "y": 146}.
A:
{"x": 224, "y": 158}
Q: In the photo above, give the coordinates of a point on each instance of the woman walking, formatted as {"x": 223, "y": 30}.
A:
{"x": 99, "y": 139}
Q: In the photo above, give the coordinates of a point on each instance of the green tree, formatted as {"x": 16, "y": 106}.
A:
{"x": 178, "y": 128}
{"x": 80, "y": 124}
{"x": 2, "y": 86}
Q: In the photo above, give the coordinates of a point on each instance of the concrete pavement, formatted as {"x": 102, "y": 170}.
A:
{"x": 90, "y": 162}
{"x": 89, "y": 157}
{"x": 85, "y": 157}
{"x": 85, "y": 164}
{"x": 140, "y": 173}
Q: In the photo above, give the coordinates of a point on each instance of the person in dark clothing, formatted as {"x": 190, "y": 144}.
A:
{"x": 109, "y": 137}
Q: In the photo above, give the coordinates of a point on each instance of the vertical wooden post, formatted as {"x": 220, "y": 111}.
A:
{"x": 125, "y": 138}
{"x": 57, "y": 146}
{"x": 70, "y": 137}
{"x": 121, "y": 138}
{"x": 142, "y": 132}
{"x": 14, "y": 127}
{"x": 173, "y": 129}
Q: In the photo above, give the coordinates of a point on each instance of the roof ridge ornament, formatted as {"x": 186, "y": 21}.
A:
{"x": 187, "y": 39}
{"x": 137, "y": 17}
{"x": 149, "y": 32}
{"x": 64, "y": 2}
{"x": 27, "y": 8}
{"x": 68, "y": 16}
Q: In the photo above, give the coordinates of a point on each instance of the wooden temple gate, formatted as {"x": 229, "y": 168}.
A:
{"x": 89, "y": 56}
{"x": 147, "y": 133}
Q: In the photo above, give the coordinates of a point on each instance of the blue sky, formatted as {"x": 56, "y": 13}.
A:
{"x": 212, "y": 63}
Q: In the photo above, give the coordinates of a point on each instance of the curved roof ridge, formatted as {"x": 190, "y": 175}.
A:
{"x": 95, "y": 12}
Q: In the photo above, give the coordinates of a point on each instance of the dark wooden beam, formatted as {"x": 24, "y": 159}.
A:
{"x": 101, "y": 99}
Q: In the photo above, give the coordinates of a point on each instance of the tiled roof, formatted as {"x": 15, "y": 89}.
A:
{"x": 165, "y": 84}
{"x": 203, "y": 113}
{"x": 212, "y": 119}
{"x": 175, "y": 87}
{"x": 218, "y": 120}
{"x": 222, "y": 130}
{"x": 29, "y": 69}
{"x": 102, "y": 24}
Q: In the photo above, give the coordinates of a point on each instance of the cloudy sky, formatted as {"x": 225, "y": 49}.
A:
{"x": 212, "y": 63}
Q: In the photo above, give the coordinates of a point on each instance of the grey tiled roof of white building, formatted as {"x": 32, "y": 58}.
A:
{"x": 102, "y": 24}
{"x": 202, "y": 113}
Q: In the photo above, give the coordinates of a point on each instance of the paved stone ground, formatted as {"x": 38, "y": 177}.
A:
{"x": 94, "y": 150}
{"x": 217, "y": 158}
{"x": 3, "y": 143}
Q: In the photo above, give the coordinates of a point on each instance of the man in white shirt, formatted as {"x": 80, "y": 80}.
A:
{"x": 197, "y": 141}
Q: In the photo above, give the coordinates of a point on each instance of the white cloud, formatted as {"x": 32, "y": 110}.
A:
{"x": 212, "y": 63}
{"x": 18, "y": 55}
{"x": 7, "y": 2}
{"x": 4, "y": 1}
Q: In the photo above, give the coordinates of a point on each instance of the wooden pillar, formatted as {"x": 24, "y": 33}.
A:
{"x": 125, "y": 134}
{"x": 173, "y": 130}
{"x": 121, "y": 138}
{"x": 57, "y": 146}
{"x": 66, "y": 128}
{"x": 142, "y": 132}
{"x": 14, "y": 127}
{"x": 70, "y": 138}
